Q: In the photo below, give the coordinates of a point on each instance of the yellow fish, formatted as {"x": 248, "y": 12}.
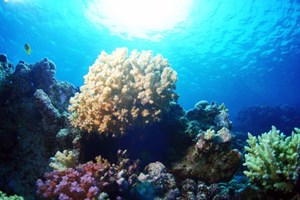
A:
{"x": 27, "y": 48}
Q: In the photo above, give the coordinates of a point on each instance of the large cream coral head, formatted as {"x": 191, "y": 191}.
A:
{"x": 123, "y": 91}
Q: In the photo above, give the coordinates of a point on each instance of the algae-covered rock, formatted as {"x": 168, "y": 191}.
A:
{"x": 207, "y": 116}
{"x": 6, "y": 68}
{"x": 156, "y": 175}
{"x": 33, "y": 110}
{"x": 210, "y": 159}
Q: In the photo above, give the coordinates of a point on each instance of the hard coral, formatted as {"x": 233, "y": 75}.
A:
{"x": 89, "y": 180}
{"x": 156, "y": 175}
{"x": 122, "y": 91}
{"x": 4, "y": 196}
{"x": 273, "y": 160}
{"x": 64, "y": 160}
{"x": 206, "y": 116}
{"x": 71, "y": 183}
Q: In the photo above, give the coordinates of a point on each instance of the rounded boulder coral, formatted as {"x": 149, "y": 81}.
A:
{"x": 122, "y": 91}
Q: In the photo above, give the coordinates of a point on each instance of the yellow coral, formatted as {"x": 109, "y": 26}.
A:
{"x": 122, "y": 91}
{"x": 223, "y": 135}
{"x": 64, "y": 160}
{"x": 273, "y": 160}
{"x": 209, "y": 134}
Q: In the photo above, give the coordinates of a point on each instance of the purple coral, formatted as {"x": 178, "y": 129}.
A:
{"x": 69, "y": 184}
{"x": 87, "y": 181}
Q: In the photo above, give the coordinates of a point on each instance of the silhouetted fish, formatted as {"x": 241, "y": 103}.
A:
{"x": 27, "y": 48}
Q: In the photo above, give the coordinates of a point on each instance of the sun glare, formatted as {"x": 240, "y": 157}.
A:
{"x": 13, "y": 1}
{"x": 138, "y": 18}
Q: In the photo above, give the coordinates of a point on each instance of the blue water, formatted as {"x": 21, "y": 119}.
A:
{"x": 242, "y": 53}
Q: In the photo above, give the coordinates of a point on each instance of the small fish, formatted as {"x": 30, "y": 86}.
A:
{"x": 27, "y": 48}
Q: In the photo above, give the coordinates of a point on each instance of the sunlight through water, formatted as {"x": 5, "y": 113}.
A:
{"x": 138, "y": 18}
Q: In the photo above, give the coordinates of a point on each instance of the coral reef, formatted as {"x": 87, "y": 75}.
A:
{"x": 273, "y": 160}
{"x": 207, "y": 116}
{"x": 103, "y": 180}
{"x": 182, "y": 151}
{"x": 33, "y": 110}
{"x": 211, "y": 159}
{"x": 44, "y": 104}
{"x": 155, "y": 182}
{"x": 167, "y": 140}
{"x": 6, "y": 68}
{"x": 89, "y": 180}
{"x": 123, "y": 91}
{"x": 59, "y": 94}
{"x": 163, "y": 183}
{"x": 284, "y": 117}
{"x": 239, "y": 188}
{"x": 192, "y": 189}
{"x": 189, "y": 189}
{"x": 41, "y": 102}
{"x": 42, "y": 74}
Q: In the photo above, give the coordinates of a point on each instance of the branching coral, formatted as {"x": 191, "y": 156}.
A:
{"x": 89, "y": 180}
{"x": 63, "y": 160}
{"x": 122, "y": 91}
{"x": 3, "y": 196}
{"x": 273, "y": 160}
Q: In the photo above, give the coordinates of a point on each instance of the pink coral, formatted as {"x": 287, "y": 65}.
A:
{"x": 69, "y": 184}
{"x": 87, "y": 181}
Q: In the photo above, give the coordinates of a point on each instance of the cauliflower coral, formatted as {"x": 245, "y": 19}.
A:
{"x": 273, "y": 160}
{"x": 122, "y": 91}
